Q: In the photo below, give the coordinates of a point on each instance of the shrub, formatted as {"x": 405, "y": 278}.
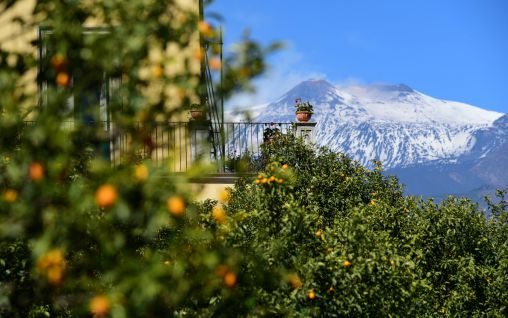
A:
{"x": 315, "y": 234}
{"x": 79, "y": 236}
{"x": 349, "y": 243}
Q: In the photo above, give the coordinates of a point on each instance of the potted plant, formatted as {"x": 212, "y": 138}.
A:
{"x": 304, "y": 110}
{"x": 197, "y": 111}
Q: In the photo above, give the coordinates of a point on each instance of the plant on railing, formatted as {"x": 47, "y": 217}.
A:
{"x": 197, "y": 111}
{"x": 303, "y": 107}
{"x": 304, "y": 110}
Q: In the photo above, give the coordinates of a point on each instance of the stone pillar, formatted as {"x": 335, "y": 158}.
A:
{"x": 199, "y": 142}
{"x": 306, "y": 131}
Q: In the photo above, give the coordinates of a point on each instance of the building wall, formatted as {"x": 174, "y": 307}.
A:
{"x": 18, "y": 38}
{"x": 13, "y": 37}
{"x": 175, "y": 59}
{"x": 209, "y": 190}
{"x": 171, "y": 60}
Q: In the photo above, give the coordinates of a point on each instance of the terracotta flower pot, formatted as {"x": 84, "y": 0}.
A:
{"x": 303, "y": 116}
{"x": 197, "y": 114}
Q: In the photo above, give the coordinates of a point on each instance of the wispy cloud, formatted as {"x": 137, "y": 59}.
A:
{"x": 350, "y": 81}
{"x": 287, "y": 69}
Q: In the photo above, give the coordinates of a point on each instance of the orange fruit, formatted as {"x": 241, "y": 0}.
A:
{"x": 63, "y": 79}
{"x": 224, "y": 196}
{"x": 311, "y": 294}
{"x": 215, "y": 64}
{"x": 346, "y": 263}
{"x": 55, "y": 275}
{"x": 106, "y": 195}
{"x": 157, "y": 71}
{"x": 221, "y": 270}
{"x": 198, "y": 54}
{"x": 331, "y": 290}
{"x": 272, "y": 179}
{"x": 99, "y": 306}
{"x": 176, "y": 205}
{"x": 55, "y": 257}
{"x": 218, "y": 214}
{"x": 318, "y": 233}
{"x": 280, "y": 181}
{"x": 230, "y": 279}
{"x": 10, "y": 195}
{"x": 285, "y": 166}
{"x": 141, "y": 172}
{"x": 258, "y": 181}
{"x": 52, "y": 258}
{"x": 205, "y": 28}
{"x": 265, "y": 180}
{"x": 58, "y": 61}
{"x": 52, "y": 264}
{"x": 36, "y": 171}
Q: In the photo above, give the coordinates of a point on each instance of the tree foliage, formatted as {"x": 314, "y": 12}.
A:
{"x": 315, "y": 234}
{"x": 348, "y": 243}
{"x": 80, "y": 236}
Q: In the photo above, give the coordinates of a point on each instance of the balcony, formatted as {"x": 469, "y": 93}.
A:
{"x": 183, "y": 144}
{"x": 226, "y": 148}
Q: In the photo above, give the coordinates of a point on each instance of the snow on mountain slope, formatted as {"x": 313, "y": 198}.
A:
{"x": 391, "y": 123}
{"x": 400, "y": 103}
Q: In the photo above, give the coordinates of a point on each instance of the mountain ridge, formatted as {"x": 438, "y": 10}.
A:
{"x": 371, "y": 99}
{"x": 435, "y": 147}
{"x": 391, "y": 123}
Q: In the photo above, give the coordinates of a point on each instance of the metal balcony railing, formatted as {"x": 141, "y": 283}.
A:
{"x": 182, "y": 144}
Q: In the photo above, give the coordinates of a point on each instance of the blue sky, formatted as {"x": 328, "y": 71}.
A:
{"x": 450, "y": 49}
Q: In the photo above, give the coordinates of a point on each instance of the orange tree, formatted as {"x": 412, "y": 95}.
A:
{"x": 315, "y": 234}
{"x": 79, "y": 237}
{"x": 349, "y": 243}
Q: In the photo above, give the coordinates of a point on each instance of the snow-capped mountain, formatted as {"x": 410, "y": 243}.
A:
{"x": 392, "y": 123}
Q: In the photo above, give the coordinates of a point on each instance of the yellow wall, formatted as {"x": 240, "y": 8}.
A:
{"x": 210, "y": 190}
{"x": 17, "y": 38}
{"x": 169, "y": 60}
{"x": 14, "y": 37}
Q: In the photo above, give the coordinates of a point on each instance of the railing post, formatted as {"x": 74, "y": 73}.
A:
{"x": 200, "y": 144}
{"x": 306, "y": 131}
